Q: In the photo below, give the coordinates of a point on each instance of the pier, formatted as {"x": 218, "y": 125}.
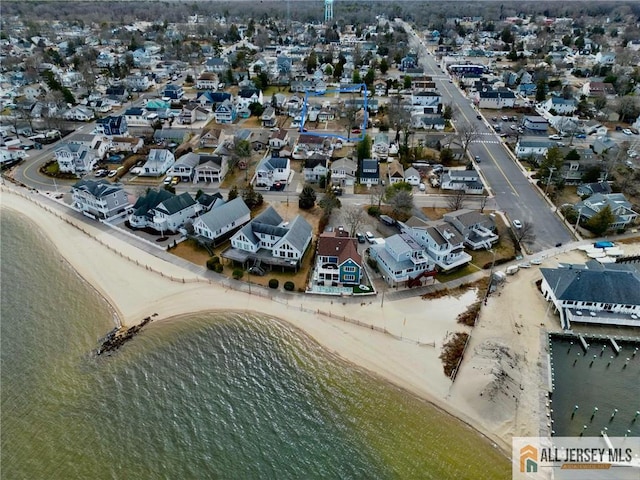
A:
{"x": 583, "y": 342}
{"x": 614, "y": 344}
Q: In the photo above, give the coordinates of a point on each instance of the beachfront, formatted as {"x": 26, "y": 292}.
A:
{"x": 511, "y": 322}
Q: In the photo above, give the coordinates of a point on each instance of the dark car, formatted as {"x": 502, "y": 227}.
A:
{"x": 618, "y": 128}
{"x": 360, "y": 237}
{"x": 479, "y": 117}
{"x": 277, "y": 186}
{"x": 634, "y": 130}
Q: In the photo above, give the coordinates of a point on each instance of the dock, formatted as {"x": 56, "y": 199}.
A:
{"x": 583, "y": 342}
{"x": 614, "y": 344}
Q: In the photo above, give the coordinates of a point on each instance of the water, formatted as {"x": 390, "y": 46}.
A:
{"x": 209, "y": 396}
{"x": 603, "y": 382}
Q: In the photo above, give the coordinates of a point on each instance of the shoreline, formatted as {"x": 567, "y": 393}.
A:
{"x": 128, "y": 279}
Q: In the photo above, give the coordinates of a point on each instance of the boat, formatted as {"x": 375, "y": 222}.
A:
{"x": 536, "y": 261}
{"x": 596, "y": 255}
{"x": 606, "y": 260}
{"x": 603, "y": 244}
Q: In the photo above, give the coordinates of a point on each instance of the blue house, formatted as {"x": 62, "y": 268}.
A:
{"x": 174, "y": 92}
{"x": 338, "y": 262}
{"x": 112, "y": 126}
{"x": 369, "y": 172}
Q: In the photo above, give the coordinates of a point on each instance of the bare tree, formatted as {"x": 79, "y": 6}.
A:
{"x": 377, "y": 194}
{"x": 483, "y": 202}
{"x": 401, "y": 204}
{"x": 457, "y": 200}
{"x": 526, "y": 233}
{"x": 467, "y": 132}
{"x": 353, "y": 217}
{"x": 399, "y": 117}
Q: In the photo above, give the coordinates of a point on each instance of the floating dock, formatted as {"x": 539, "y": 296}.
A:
{"x": 583, "y": 342}
{"x": 615, "y": 346}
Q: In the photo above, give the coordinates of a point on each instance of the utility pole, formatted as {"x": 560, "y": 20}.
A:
{"x": 551, "y": 170}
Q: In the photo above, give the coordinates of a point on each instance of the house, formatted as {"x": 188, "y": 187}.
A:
{"x": 534, "y": 147}
{"x": 210, "y": 138}
{"x": 247, "y": 96}
{"x": 428, "y": 122}
{"x": 207, "y": 81}
{"x": 173, "y": 92}
{"x": 99, "y": 198}
{"x": 158, "y": 162}
{"x": 605, "y": 145}
{"x": 594, "y": 293}
{"x": 272, "y": 170}
{"x": 212, "y": 168}
{"x": 184, "y": 167}
{"x": 216, "y": 65}
{"x": 588, "y": 189}
{"x": 139, "y": 117}
{"x": 428, "y": 101}
{"x": 495, "y": 99}
{"x": 79, "y": 114}
{"x": 75, "y": 158}
{"x": 311, "y": 143}
{"x": 396, "y": 172}
{"x": 314, "y": 168}
{"x": 467, "y": 180}
{"x": 401, "y": 259}
{"x": 126, "y": 144}
{"x": 270, "y": 240}
{"x": 412, "y": 176}
{"x": 212, "y": 99}
{"x": 259, "y": 140}
{"x": 621, "y": 208}
{"x": 163, "y": 211}
{"x": 338, "y": 262}
{"x": 268, "y": 117}
{"x": 453, "y": 143}
{"x": 175, "y": 135}
{"x": 225, "y": 112}
{"x": 369, "y": 173}
{"x": 191, "y": 113}
{"x": 441, "y": 241}
{"x": 112, "y": 126}
{"x": 477, "y": 228}
{"x": 562, "y": 106}
{"x": 278, "y": 140}
{"x": 222, "y": 220}
{"x": 535, "y": 123}
{"x": 598, "y": 89}
{"x": 343, "y": 172}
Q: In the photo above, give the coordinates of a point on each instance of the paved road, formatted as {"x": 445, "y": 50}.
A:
{"x": 514, "y": 193}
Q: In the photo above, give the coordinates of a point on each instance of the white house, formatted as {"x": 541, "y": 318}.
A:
{"x": 158, "y": 162}
{"x": 212, "y": 168}
{"x": 401, "y": 259}
{"x": 272, "y": 170}
{"x": 315, "y": 168}
{"x": 100, "y": 198}
{"x": 496, "y": 99}
{"x": 412, "y": 176}
{"x": 534, "y": 147}
{"x": 562, "y": 106}
{"x": 477, "y": 228}
{"x": 467, "y": 180}
{"x": 75, "y": 158}
{"x": 221, "y": 219}
{"x": 343, "y": 172}
{"x": 79, "y": 114}
{"x": 163, "y": 211}
{"x": 396, "y": 172}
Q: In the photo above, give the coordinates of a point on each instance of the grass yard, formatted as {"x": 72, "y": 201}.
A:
{"x": 459, "y": 273}
{"x": 191, "y": 251}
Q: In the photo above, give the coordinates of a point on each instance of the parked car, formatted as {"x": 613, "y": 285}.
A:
{"x": 479, "y": 117}
{"x": 581, "y": 135}
{"x": 369, "y": 236}
{"x": 101, "y": 173}
{"x": 618, "y": 128}
{"x": 422, "y": 187}
{"x": 504, "y": 118}
{"x": 635, "y": 131}
{"x": 167, "y": 180}
{"x": 517, "y": 223}
{"x": 626, "y": 131}
{"x": 387, "y": 220}
{"x": 555, "y": 137}
{"x": 477, "y": 158}
{"x": 360, "y": 237}
{"x": 175, "y": 180}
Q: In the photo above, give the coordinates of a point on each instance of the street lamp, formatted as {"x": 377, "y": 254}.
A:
{"x": 551, "y": 170}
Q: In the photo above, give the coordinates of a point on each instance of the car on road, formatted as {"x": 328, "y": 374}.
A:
{"x": 626, "y": 131}
{"x": 360, "y": 237}
{"x": 504, "y": 118}
{"x": 477, "y": 158}
{"x": 517, "y": 223}
{"x": 555, "y": 137}
{"x": 102, "y": 173}
{"x": 513, "y": 127}
{"x": 422, "y": 187}
{"x": 635, "y": 131}
{"x": 618, "y": 128}
{"x": 479, "y": 117}
{"x": 278, "y": 186}
{"x": 175, "y": 180}
{"x": 112, "y": 173}
{"x": 369, "y": 236}
{"x": 581, "y": 135}
{"x": 387, "y": 220}
{"x": 167, "y": 180}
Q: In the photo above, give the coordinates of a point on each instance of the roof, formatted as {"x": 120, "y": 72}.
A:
{"x": 176, "y": 203}
{"x": 98, "y": 188}
{"x": 396, "y": 169}
{"x": 598, "y": 286}
{"x": 299, "y": 233}
{"x": 443, "y": 233}
{"x": 223, "y": 215}
{"x": 150, "y": 201}
{"x": 411, "y": 172}
{"x": 272, "y": 163}
{"x": 189, "y": 160}
{"x": 497, "y": 94}
{"x": 467, "y": 217}
{"x": 333, "y": 244}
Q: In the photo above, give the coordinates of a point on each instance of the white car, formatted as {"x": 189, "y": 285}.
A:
{"x": 626, "y": 131}
{"x": 517, "y": 223}
{"x": 369, "y": 236}
{"x": 555, "y": 137}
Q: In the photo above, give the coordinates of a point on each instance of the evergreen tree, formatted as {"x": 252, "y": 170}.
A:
{"x": 307, "y": 198}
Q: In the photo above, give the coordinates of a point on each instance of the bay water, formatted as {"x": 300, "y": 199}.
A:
{"x": 232, "y": 396}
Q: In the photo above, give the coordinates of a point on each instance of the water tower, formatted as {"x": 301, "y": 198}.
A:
{"x": 328, "y": 10}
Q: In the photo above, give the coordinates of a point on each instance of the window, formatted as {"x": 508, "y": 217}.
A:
{"x": 349, "y": 278}
{"x": 350, "y": 269}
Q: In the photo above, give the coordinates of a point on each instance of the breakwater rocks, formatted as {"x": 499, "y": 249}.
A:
{"x": 119, "y": 335}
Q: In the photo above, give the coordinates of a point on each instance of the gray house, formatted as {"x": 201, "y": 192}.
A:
{"x": 221, "y": 220}
{"x": 99, "y": 198}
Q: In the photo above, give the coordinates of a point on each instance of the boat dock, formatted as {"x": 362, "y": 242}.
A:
{"x": 583, "y": 342}
{"x": 615, "y": 346}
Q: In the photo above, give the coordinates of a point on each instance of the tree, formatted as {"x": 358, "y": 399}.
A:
{"x": 329, "y": 202}
{"x": 551, "y": 163}
{"x": 628, "y": 109}
{"x": 307, "y": 198}
{"x": 312, "y": 62}
{"x": 541, "y": 89}
{"x": 233, "y": 193}
{"x": 600, "y": 102}
{"x": 369, "y": 78}
{"x": 401, "y": 204}
{"x": 457, "y": 200}
{"x": 377, "y": 195}
{"x": 467, "y": 132}
{"x": 601, "y": 221}
{"x": 591, "y": 174}
{"x": 256, "y": 109}
{"x": 252, "y": 198}
{"x": 446, "y": 156}
{"x": 384, "y": 66}
{"x": 526, "y": 233}
{"x": 353, "y": 217}
{"x": 363, "y": 150}
{"x": 447, "y": 113}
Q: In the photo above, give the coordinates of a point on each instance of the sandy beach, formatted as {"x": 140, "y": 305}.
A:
{"x": 506, "y": 340}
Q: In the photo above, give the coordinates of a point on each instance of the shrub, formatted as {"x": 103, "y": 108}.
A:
{"x": 452, "y": 352}
{"x": 273, "y": 283}
{"x": 289, "y": 286}
{"x": 238, "y": 273}
{"x": 373, "y": 211}
{"x": 218, "y": 268}
{"x": 212, "y": 262}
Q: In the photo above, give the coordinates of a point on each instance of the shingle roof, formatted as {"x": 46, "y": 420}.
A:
{"x": 149, "y": 201}
{"x": 176, "y": 203}
{"x": 221, "y": 216}
{"x": 330, "y": 244}
{"x": 299, "y": 233}
{"x": 98, "y": 188}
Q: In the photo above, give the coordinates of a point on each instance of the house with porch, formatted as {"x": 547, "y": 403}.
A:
{"x": 607, "y": 294}
{"x": 221, "y": 221}
{"x": 441, "y": 241}
{"x": 113, "y": 126}
{"x": 207, "y": 81}
{"x": 158, "y": 162}
{"x": 163, "y": 211}
{"x": 402, "y": 261}
{"x": 467, "y": 180}
{"x": 126, "y": 144}
{"x": 338, "y": 262}
{"x": 211, "y": 168}
{"x": 270, "y": 240}
{"x": 75, "y": 158}
{"x": 225, "y": 112}
{"x": 533, "y": 147}
{"x": 99, "y": 198}
{"x": 477, "y": 229}
{"x": 192, "y": 113}
{"x": 268, "y": 117}
{"x": 173, "y": 92}
{"x": 495, "y": 99}
{"x": 396, "y": 172}
{"x": 272, "y": 170}
{"x": 184, "y": 167}
{"x": 278, "y": 140}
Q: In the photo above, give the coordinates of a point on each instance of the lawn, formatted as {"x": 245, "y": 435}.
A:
{"x": 456, "y": 274}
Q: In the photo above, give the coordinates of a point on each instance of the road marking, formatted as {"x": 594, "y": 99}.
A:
{"x": 515, "y": 192}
